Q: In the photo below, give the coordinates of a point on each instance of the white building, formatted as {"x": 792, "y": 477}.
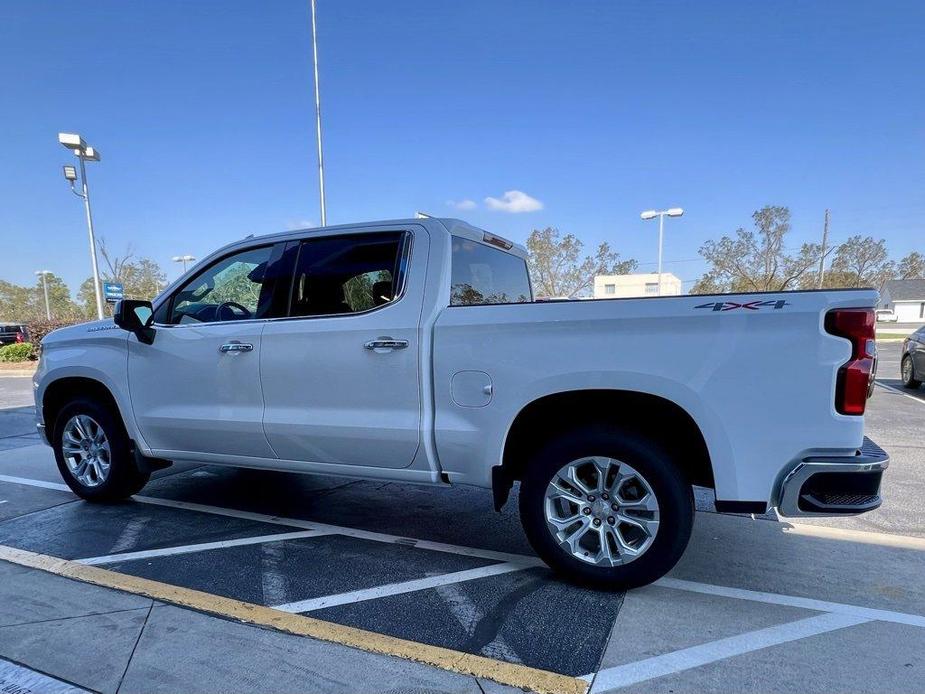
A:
{"x": 637, "y": 284}
{"x": 906, "y": 298}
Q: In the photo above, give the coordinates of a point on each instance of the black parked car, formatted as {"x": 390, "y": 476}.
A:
{"x": 912, "y": 365}
{"x": 11, "y": 333}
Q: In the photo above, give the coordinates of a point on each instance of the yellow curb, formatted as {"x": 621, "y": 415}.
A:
{"x": 511, "y": 674}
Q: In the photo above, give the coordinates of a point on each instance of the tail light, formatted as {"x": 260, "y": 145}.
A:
{"x": 20, "y": 338}
{"x": 854, "y": 377}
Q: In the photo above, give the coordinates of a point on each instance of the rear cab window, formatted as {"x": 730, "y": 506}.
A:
{"x": 481, "y": 274}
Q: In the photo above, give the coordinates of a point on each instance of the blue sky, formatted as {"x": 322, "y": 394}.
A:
{"x": 203, "y": 113}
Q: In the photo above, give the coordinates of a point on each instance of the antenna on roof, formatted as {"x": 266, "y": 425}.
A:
{"x": 422, "y": 215}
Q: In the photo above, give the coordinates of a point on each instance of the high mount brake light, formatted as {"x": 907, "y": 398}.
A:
{"x": 852, "y": 386}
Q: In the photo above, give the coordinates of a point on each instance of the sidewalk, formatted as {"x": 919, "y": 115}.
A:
{"x": 108, "y": 641}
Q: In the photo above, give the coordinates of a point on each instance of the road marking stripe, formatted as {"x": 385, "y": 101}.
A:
{"x": 350, "y": 532}
{"x": 695, "y": 656}
{"x": 860, "y": 536}
{"x": 897, "y": 390}
{"x": 691, "y": 586}
{"x": 36, "y": 483}
{"x": 511, "y": 674}
{"x": 200, "y": 547}
{"x": 403, "y": 587}
{"x": 308, "y": 525}
{"x": 868, "y": 613}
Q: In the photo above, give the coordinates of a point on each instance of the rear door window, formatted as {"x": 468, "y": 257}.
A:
{"x": 347, "y": 274}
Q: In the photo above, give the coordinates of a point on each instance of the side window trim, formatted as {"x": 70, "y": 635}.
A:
{"x": 275, "y": 256}
{"x": 403, "y": 261}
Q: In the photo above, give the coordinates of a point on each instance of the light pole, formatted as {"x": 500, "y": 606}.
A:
{"x": 84, "y": 152}
{"x": 44, "y": 275}
{"x": 324, "y": 221}
{"x": 183, "y": 259}
{"x": 652, "y": 214}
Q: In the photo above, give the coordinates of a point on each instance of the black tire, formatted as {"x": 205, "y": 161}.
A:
{"x": 672, "y": 490}
{"x": 124, "y": 478}
{"x": 912, "y": 382}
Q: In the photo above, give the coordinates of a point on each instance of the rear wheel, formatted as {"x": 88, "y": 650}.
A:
{"x": 907, "y": 370}
{"x": 94, "y": 453}
{"x": 606, "y": 508}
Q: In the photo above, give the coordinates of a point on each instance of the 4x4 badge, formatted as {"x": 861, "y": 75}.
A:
{"x": 750, "y": 305}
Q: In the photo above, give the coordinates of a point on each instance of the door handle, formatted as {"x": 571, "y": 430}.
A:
{"x": 386, "y": 343}
{"x": 236, "y": 347}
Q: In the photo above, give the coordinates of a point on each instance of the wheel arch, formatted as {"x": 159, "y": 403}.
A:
{"x": 544, "y": 417}
{"x": 62, "y": 390}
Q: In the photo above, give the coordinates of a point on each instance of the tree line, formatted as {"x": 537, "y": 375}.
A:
{"x": 758, "y": 260}
{"x": 751, "y": 260}
{"x": 142, "y": 278}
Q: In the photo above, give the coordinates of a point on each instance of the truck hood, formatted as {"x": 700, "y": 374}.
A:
{"x": 80, "y": 332}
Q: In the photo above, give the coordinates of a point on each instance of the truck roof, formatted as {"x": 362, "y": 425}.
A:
{"x": 456, "y": 227}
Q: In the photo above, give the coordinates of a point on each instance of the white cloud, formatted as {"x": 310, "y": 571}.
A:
{"x": 514, "y": 201}
{"x": 462, "y": 204}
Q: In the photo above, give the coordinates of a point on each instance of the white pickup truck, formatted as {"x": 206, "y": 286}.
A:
{"x": 413, "y": 350}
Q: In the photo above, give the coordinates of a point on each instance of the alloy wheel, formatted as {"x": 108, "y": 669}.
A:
{"x": 602, "y": 511}
{"x": 86, "y": 450}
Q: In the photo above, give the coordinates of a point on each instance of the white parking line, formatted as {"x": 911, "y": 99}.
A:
{"x": 695, "y": 656}
{"x": 667, "y": 582}
{"x": 399, "y": 588}
{"x": 920, "y": 401}
{"x": 861, "y": 536}
{"x": 35, "y": 483}
{"x": 349, "y": 532}
{"x": 309, "y": 525}
{"x": 200, "y": 547}
{"x": 867, "y": 613}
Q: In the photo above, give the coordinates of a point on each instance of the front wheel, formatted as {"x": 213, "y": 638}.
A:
{"x": 606, "y": 508}
{"x": 907, "y": 370}
{"x": 94, "y": 453}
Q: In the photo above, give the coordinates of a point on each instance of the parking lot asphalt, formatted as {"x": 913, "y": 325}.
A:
{"x": 755, "y": 605}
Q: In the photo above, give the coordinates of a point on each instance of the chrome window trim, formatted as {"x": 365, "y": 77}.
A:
{"x": 405, "y": 253}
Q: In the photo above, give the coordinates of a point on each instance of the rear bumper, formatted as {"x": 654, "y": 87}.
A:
{"x": 835, "y": 486}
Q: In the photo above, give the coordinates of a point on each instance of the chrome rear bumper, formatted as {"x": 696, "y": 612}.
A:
{"x": 836, "y": 485}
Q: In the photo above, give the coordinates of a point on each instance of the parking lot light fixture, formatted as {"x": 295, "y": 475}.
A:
{"x": 84, "y": 153}
{"x": 652, "y": 214}
{"x": 44, "y": 275}
{"x": 183, "y": 259}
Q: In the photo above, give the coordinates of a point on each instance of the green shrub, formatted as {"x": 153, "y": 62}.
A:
{"x": 20, "y": 351}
